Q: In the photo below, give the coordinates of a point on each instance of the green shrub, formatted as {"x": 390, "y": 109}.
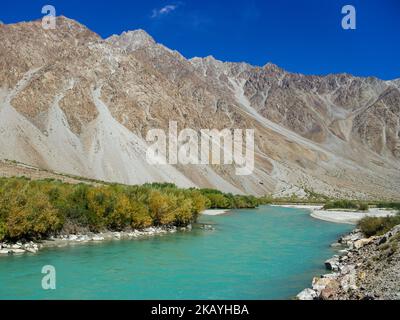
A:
{"x": 346, "y": 204}
{"x": 389, "y": 205}
{"x": 363, "y": 206}
{"x": 372, "y": 226}
{"x": 218, "y": 201}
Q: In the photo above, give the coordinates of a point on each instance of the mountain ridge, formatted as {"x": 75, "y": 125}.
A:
{"x": 335, "y": 134}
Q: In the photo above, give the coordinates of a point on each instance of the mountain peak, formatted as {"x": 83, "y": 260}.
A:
{"x": 211, "y": 58}
{"x": 273, "y": 68}
{"x": 132, "y": 40}
{"x": 69, "y": 21}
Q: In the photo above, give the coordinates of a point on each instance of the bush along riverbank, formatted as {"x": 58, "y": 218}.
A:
{"x": 367, "y": 268}
{"x": 32, "y": 211}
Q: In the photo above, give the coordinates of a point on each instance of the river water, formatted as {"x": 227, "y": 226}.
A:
{"x": 265, "y": 253}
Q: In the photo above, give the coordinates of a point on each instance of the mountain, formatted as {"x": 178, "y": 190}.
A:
{"x": 73, "y": 102}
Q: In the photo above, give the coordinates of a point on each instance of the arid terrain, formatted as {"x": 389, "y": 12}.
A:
{"x": 75, "y": 103}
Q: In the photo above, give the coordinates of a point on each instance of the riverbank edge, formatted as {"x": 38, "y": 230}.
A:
{"x": 340, "y": 216}
{"x": 341, "y": 283}
{"x": 77, "y": 239}
{"x": 336, "y": 263}
{"x": 74, "y": 239}
{"x": 215, "y": 212}
{"x": 350, "y": 270}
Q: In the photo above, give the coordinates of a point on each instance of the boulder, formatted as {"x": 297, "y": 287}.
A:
{"x": 150, "y": 230}
{"x": 30, "y": 246}
{"x": 328, "y": 294}
{"x": 332, "y": 263}
{"x": 97, "y": 238}
{"x": 17, "y": 251}
{"x": 383, "y": 240}
{"x": 363, "y": 242}
{"x": 330, "y": 275}
{"x": 336, "y": 245}
{"x": 395, "y": 230}
{"x": 83, "y": 238}
{"x": 307, "y": 294}
{"x": 117, "y": 235}
{"x": 352, "y": 237}
{"x": 31, "y": 250}
{"x": 328, "y": 285}
{"x": 347, "y": 269}
{"x": 389, "y": 234}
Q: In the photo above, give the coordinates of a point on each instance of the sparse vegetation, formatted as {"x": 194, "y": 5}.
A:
{"x": 372, "y": 226}
{"x": 363, "y": 206}
{"x": 346, "y": 204}
{"x": 314, "y": 196}
{"x": 388, "y": 205}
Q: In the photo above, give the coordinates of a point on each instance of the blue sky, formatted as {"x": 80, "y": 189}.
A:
{"x": 300, "y": 36}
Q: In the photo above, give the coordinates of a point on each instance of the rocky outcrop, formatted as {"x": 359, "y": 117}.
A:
{"x": 307, "y": 294}
{"x": 19, "y": 247}
{"x": 367, "y": 269}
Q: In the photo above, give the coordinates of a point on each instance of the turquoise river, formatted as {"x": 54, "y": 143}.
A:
{"x": 266, "y": 253}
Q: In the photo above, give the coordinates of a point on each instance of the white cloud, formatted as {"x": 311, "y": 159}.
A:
{"x": 164, "y": 10}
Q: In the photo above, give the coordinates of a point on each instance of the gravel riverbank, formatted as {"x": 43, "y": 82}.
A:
{"x": 342, "y": 216}
{"x": 74, "y": 239}
{"x": 366, "y": 268}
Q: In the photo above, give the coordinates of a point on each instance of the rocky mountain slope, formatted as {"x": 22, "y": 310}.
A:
{"x": 73, "y": 102}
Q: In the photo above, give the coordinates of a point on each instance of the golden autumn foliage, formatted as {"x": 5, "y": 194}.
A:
{"x": 36, "y": 209}
{"x": 30, "y": 215}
